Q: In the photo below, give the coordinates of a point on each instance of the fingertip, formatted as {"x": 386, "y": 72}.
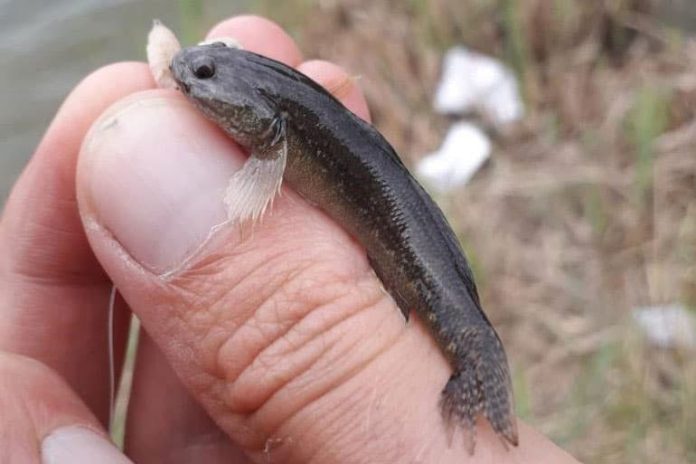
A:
{"x": 260, "y": 35}
{"x": 107, "y": 84}
{"x": 339, "y": 83}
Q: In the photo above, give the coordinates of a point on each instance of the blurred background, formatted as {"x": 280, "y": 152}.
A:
{"x": 580, "y": 221}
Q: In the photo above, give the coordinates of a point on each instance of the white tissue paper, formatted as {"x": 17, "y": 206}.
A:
{"x": 668, "y": 326}
{"x": 472, "y": 81}
{"x": 464, "y": 150}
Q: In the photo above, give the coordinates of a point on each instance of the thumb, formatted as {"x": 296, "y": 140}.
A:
{"x": 158, "y": 185}
{"x": 283, "y": 333}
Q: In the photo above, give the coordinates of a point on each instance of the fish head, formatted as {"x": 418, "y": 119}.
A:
{"x": 221, "y": 82}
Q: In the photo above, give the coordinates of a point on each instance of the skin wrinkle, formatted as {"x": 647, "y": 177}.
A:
{"x": 275, "y": 319}
{"x": 37, "y": 227}
{"x": 349, "y": 334}
{"x": 76, "y": 280}
{"x": 308, "y": 308}
{"x": 318, "y": 333}
{"x": 344, "y": 412}
{"x": 298, "y": 284}
{"x": 261, "y": 266}
{"x": 325, "y": 324}
{"x": 207, "y": 388}
{"x": 297, "y": 276}
{"x": 399, "y": 452}
{"x": 330, "y": 389}
{"x": 345, "y": 377}
{"x": 197, "y": 319}
{"x": 212, "y": 388}
{"x": 326, "y": 349}
{"x": 354, "y": 393}
{"x": 218, "y": 267}
{"x": 275, "y": 286}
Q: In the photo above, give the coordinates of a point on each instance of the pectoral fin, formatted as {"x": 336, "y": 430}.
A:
{"x": 162, "y": 45}
{"x": 252, "y": 189}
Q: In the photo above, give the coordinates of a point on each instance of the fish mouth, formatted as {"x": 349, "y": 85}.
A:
{"x": 178, "y": 71}
{"x": 184, "y": 87}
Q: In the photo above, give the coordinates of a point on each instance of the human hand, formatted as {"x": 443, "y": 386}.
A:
{"x": 274, "y": 346}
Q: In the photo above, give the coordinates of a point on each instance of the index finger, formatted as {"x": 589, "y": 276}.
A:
{"x": 266, "y": 38}
{"x": 261, "y": 36}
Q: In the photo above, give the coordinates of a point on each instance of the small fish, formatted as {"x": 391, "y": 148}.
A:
{"x": 295, "y": 131}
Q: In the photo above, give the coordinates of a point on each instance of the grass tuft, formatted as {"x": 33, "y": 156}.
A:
{"x": 647, "y": 120}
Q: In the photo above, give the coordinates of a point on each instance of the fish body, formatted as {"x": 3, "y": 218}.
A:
{"x": 343, "y": 165}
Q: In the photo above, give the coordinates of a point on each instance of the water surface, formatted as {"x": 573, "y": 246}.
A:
{"x": 48, "y": 46}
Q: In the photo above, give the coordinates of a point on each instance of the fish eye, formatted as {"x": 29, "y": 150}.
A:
{"x": 203, "y": 67}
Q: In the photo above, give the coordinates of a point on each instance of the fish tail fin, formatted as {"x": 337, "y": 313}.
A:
{"x": 480, "y": 384}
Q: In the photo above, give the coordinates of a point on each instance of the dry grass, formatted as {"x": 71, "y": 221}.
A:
{"x": 587, "y": 209}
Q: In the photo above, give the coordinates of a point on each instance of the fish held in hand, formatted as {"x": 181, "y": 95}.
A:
{"x": 296, "y": 132}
